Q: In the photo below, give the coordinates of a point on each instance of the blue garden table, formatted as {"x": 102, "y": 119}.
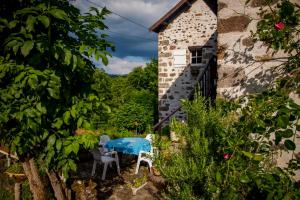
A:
{"x": 131, "y": 145}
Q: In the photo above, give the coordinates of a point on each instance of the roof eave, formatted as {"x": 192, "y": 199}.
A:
{"x": 161, "y": 23}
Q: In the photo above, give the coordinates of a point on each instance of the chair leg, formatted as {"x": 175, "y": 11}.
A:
{"x": 150, "y": 166}
{"x": 118, "y": 166}
{"x": 8, "y": 160}
{"x": 104, "y": 171}
{"x": 94, "y": 167}
{"x": 137, "y": 166}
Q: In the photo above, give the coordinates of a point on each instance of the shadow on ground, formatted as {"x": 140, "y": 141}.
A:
{"x": 116, "y": 187}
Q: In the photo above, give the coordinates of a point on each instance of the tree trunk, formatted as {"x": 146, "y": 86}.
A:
{"x": 56, "y": 185}
{"x": 37, "y": 187}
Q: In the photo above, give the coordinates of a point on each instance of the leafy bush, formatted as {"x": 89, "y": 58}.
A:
{"x": 230, "y": 153}
{"x": 26, "y": 194}
{"x": 114, "y": 133}
{"x": 6, "y": 194}
{"x": 15, "y": 168}
{"x": 133, "y": 116}
{"x": 219, "y": 160}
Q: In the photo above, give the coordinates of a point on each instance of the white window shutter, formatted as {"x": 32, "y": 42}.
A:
{"x": 179, "y": 57}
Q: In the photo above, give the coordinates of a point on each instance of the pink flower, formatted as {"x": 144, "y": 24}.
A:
{"x": 279, "y": 26}
{"x": 226, "y": 156}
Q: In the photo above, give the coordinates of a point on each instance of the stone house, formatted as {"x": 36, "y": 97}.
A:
{"x": 192, "y": 33}
{"x": 195, "y": 31}
{"x": 186, "y": 43}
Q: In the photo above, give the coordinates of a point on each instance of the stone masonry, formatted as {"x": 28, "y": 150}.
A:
{"x": 194, "y": 27}
{"x": 244, "y": 66}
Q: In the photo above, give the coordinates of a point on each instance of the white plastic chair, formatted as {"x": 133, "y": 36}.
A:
{"x": 145, "y": 156}
{"x": 103, "y": 140}
{"x": 149, "y": 137}
{"x": 107, "y": 159}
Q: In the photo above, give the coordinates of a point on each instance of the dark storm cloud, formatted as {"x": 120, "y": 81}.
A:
{"x": 131, "y": 40}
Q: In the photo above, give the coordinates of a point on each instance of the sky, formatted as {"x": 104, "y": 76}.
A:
{"x": 135, "y": 44}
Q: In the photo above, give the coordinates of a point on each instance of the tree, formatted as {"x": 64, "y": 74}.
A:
{"x": 145, "y": 78}
{"x": 135, "y": 98}
{"x": 133, "y": 116}
{"x": 102, "y": 86}
{"x": 45, "y": 84}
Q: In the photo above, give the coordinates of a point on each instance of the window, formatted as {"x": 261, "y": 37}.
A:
{"x": 196, "y": 56}
{"x": 179, "y": 57}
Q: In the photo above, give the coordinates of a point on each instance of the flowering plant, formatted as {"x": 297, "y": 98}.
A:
{"x": 226, "y": 156}
{"x": 279, "y": 26}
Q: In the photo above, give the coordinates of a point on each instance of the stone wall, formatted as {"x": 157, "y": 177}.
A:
{"x": 244, "y": 66}
{"x": 193, "y": 27}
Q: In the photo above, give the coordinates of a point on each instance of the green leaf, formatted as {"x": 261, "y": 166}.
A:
{"x": 282, "y": 121}
{"x": 58, "y": 123}
{"x": 104, "y": 59}
{"x": 290, "y": 145}
{"x": 74, "y": 61}
{"x": 66, "y": 117}
{"x": 30, "y": 10}
{"x": 54, "y": 93}
{"x": 20, "y": 77}
{"x": 287, "y": 133}
{"x": 79, "y": 122}
{"x": 73, "y": 112}
{"x": 16, "y": 48}
{"x": 86, "y": 125}
{"x": 27, "y": 47}
{"x": 75, "y": 147}
{"x": 298, "y": 127}
{"x": 68, "y": 57}
{"x": 41, "y": 108}
{"x": 12, "y": 24}
{"x": 91, "y": 52}
{"x": 72, "y": 165}
{"x": 258, "y": 157}
{"x": 30, "y": 23}
{"x": 51, "y": 140}
{"x": 68, "y": 149}
{"x": 45, "y": 135}
{"x": 212, "y": 188}
{"x": 33, "y": 81}
{"x": 58, "y": 145}
{"x": 12, "y": 43}
{"x": 82, "y": 48}
{"x": 19, "y": 116}
{"x": 32, "y": 125}
{"x": 248, "y": 154}
{"x": 244, "y": 179}
{"x": 44, "y": 19}
{"x": 58, "y": 13}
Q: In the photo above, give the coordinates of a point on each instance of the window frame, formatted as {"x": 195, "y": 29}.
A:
{"x": 196, "y": 57}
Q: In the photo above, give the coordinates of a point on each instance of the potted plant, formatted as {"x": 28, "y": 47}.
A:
{"x": 16, "y": 171}
{"x": 137, "y": 184}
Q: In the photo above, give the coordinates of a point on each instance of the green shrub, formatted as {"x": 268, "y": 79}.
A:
{"x": 133, "y": 117}
{"x": 219, "y": 160}
{"x": 6, "y": 194}
{"x": 15, "y": 168}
